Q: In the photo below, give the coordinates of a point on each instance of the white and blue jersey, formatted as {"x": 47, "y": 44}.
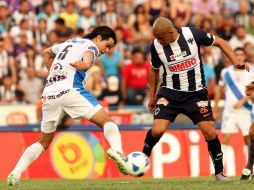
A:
{"x": 62, "y": 75}
{"x": 64, "y": 92}
{"x": 234, "y": 81}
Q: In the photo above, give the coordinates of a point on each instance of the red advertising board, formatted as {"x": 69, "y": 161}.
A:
{"x": 78, "y": 155}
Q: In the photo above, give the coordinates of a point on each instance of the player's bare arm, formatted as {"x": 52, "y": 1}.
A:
{"x": 86, "y": 63}
{"x": 48, "y": 57}
{"x": 227, "y": 50}
{"x": 217, "y": 96}
{"x": 240, "y": 103}
{"x": 153, "y": 84}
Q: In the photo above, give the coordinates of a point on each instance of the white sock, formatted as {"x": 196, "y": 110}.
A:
{"x": 224, "y": 149}
{"x": 30, "y": 154}
{"x": 112, "y": 134}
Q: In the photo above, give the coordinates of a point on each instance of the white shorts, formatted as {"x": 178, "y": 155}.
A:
{"x": 76, "y": 103}
{"x": 232, "y": 123}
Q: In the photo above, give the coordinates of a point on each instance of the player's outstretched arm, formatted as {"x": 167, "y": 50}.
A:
{"x": 227, "y": 50}
{"x": 48, "y": 57}
{"x": 153, "y": 84}
{"x": 86, "y": 63}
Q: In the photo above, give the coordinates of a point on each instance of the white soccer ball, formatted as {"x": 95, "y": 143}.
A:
{"x": 137, "y": 163}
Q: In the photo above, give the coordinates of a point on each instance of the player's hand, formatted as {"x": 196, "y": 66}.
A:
{"x": 242, "y": 66}
{"x": 152, "y": 103}
{"x": 80, "y": 65}
{"x": 249, "y": 89}
{"x": 238, "y": 105}
{"x": 216, "y": 115}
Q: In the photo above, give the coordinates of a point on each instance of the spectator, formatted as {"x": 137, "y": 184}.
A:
{"x": 95, "y": 82}
{"x": 40, "y": 34}
{"x": 240, "y": 38}
{"x": 48, "y": 14}
{"x": 111, "y": 63}
{"x": 24, "y": 13}
{"x": 226, "y": 29}
{"x": 31, "y": 86}
{"x": 70, "y": 16}
{"x": 141, "y": 32}
{"x": 6, "y": 19}
{"x": 87, "y": 19}
{"x": 63, "y": 33}
{"x": 109, "y": 18}
{"x": 243, "y": 16}
{"x": 100, "y": 8}
{"x": 22, "y": 28}
{"x": 135, "y": 79}
{"x": 154, "y": 9}
{"x": 139, "y": 9}
{"x": 124, "y": 8}
{"x": 7, "y": 90}
{"x": 112, "y": 94}
{"x": 179, "y": 9}
{"x": 6, "y": 63}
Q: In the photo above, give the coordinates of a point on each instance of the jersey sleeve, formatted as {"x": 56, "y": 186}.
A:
{"x": 155, "y": 60}
{"x": 202, "y": 38}
{"x": 56, "y": 48}
{"x": 92, "y": 48}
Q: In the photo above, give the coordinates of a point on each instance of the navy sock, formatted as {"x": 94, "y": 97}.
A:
{"x": 214, "y": 149}
{"x": 150, "y": 142}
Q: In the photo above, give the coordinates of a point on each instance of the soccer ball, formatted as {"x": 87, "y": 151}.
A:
{"x": 137, "y": 163}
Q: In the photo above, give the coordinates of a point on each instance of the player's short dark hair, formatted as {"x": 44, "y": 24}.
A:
{"x": 104, "y": 31}
{"x": 239, "y": 49}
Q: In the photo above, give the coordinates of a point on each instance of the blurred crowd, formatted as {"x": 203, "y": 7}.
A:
{"x": 120, "y": 77}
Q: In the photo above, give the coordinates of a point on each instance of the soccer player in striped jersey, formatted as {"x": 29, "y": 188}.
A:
{"x": 183, "y": 88}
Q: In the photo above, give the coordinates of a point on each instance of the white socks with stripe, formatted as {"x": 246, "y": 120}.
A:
{"x": 30, "y": 154}
{"x": 112, "y": 134}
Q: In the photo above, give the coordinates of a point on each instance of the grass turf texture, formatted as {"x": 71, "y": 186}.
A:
{"x": 201, "y": 183}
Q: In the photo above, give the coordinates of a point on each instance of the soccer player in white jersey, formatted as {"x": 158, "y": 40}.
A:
{"x": 64, "y": 93}
{"x": 247, "y": 172}
{"x": 238, "y": 106}
{"x": 183, "y": 89}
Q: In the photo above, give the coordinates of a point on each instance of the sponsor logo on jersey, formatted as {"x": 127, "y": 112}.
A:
{"x": 180, "y": 55}
{"x": 185, "y": 65}
{"x": 94, "y": 49}
{"x": 55, "y": 78}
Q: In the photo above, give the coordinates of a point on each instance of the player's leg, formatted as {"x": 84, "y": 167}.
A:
{"x": 247, "y": 172}
{"x": 30, "y": 154}
{"x": 153, "y": 135}
{"x": 82, "y": 104}
{"x": 214, "y": 148}
{"x": 52, "y": 114}
{"x": 113, "y": 136}
{"x": 164, "y": 114}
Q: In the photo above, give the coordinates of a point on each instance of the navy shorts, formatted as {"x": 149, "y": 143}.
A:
{"x": 195, "y": 105}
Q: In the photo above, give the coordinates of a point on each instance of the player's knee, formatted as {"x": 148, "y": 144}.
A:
{"x": 157, "y": 132}
{"x": 210, "y": 134}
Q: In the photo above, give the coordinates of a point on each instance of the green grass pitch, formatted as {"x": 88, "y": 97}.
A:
{"x": 200, "y": 183}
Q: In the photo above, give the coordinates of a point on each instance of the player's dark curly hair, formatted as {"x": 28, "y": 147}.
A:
{"x": 105, "y": 32}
